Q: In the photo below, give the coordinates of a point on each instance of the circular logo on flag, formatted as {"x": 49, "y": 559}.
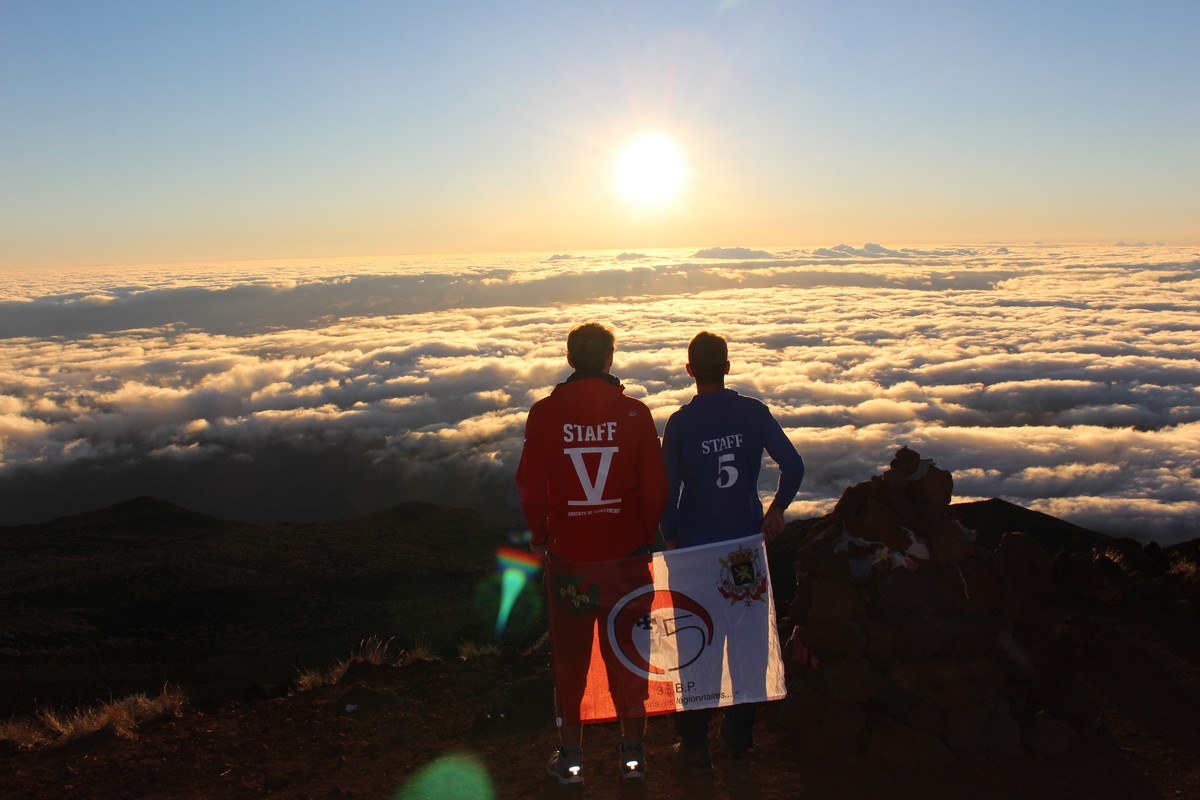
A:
{"x": 657, "y": 631}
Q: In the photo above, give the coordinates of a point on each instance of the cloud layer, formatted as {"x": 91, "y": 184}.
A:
{"x": 1061, "y": 378}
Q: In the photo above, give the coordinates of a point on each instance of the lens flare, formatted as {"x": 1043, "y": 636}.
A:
{"x": 450, "y": 777}
{"x": 517, "y": 568}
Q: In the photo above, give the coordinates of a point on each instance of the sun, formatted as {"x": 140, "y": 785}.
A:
{"x": 650, "y": 170}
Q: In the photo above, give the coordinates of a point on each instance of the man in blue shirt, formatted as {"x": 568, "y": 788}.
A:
{"x": 713, "y": 449}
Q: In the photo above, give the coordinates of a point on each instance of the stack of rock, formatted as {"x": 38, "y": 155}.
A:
{"x": 902, "y": 646}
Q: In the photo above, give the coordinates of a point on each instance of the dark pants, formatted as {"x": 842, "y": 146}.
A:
{"x": 737, "y": 726}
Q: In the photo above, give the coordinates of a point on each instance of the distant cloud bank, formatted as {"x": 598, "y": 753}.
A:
{"x": 732, "y": 252}
{"x": 1061, "y": 378}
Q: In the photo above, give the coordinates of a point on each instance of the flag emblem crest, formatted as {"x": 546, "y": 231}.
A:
{"x": 742, "y": 577}
{"x": 569, "y": 593}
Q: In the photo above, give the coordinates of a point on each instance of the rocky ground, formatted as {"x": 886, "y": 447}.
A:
{"x": 1141, "y": 689}
{"x": 1114, "y": 644}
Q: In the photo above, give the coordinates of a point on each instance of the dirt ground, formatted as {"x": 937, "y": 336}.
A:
{"x": 377, "y": 732}
{"x": 1130, "y": 686}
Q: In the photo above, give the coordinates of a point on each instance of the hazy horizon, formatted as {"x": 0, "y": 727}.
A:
{"x": 1064, "y": 379}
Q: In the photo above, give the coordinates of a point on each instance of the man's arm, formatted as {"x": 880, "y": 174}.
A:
{"x": 669, "y": 523}
{"x": 533, "y": 481}
{"x": 652, "y": 478}
{"x": 791, "y": 473}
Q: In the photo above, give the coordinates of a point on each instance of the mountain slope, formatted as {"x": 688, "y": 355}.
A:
{"x": 123, "y": 599}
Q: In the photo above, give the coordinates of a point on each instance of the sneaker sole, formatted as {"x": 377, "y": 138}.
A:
{"x": 629, "y": 775}
{"x": 632, "y": 776}
{"x": 568, "y": 780}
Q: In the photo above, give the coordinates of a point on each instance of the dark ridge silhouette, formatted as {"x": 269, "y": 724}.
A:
{"x": 137, "y": 513}
{"x": 991, "y": 519}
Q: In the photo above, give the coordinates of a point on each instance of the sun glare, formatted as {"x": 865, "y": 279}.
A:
{"x": 650, "y": 170}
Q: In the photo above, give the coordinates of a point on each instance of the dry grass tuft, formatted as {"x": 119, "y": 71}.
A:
{"x": 1117, "y": 557}
{"x": 542, "y": 645}
{"x": 49, "y": 728}
{"x": 24, "y": 733}
{"x": 373, "y": 651}
{"x": 309, "y": 679}
{"x": 469, "y": 650}
{"x": 1184, "y": 568}
{"x": 419, "y": 652}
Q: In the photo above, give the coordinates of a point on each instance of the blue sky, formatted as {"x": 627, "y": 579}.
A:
{"x": 135, "y": 132}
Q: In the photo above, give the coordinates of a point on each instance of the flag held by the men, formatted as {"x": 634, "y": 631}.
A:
{"x": 687, "y": 628}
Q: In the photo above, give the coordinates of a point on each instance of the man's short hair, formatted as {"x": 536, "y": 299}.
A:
{"x": 707, "y": 355}
{"x": 590, "y": 346}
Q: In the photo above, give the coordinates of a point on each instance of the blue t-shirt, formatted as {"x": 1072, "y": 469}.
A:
{"x": 712, "y": 448}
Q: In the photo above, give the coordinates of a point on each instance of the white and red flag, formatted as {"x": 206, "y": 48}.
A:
{"x": 654, "y": 634}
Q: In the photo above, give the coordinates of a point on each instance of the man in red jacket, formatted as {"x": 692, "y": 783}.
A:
{"x": 592, "y": 487}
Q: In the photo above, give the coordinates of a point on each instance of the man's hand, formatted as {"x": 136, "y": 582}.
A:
{"x": 772, "y": 524}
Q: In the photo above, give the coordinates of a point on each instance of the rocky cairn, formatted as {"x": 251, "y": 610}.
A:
{"x": 903, "y": 645}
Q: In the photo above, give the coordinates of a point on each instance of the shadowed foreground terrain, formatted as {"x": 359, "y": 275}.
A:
{"x": 125, "y": 599}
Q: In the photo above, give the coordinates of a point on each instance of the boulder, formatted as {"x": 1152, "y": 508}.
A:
{"x": 851, "y": 680}
{"x": 854, "y": 498}
{"x": 929, "y": 631}
{"x": 902, "y": 591}
{"x": 926, "y": 717}
{"x": 949, "y": 542}
{"x": 882, "y": 638}
{"x": 1015, "y": 659}
{"x": 1047, "y": 737}
{"x": 1074, "y": 575}
{"x": 931, "y": 490}
{"x": 1109, "y": 573}
{"x": 801, "y": 601}
{"x": 834, "y": 639}
{"x": 973, "y": 585}
{"x": 845, "y": 722}
{"x": 978, "y": 637}
{"x": 877, "y": 522}
{"x": 1017, "y": 697}
{"x": 898, "y": 744}
{"x": 833, "y": 601}
{"x": 1135, "y": 558}
{"x": 968, "y": 685}
{"x": 903, "y": 625}
{"x": 1154, "y": 552}
{"x": 893, "y": 701}
{"x": 1077, "y": 638}
{"x": 803, "y": 705}
{"x": 992, "y": 732}
{"x": 824, "y": 729}
{"x": 1024, "y": 564}
{"x": 820, "y": 561}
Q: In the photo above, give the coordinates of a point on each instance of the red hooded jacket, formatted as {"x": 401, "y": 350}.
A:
{"x": 591, "y": 477}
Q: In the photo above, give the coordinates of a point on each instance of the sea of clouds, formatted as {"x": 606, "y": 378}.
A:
{"x": 1062, "y": 378}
